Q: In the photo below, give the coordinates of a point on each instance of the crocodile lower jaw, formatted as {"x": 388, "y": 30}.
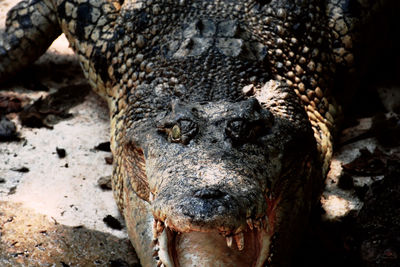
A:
{"x": 247, "y": 248}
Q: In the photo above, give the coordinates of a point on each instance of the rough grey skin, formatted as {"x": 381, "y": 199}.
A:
{"x": 221, "y": 113}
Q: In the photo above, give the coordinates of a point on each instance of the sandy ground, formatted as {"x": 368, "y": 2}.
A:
{"x": 52, "y": 209}
{"x": 53, "y": 213}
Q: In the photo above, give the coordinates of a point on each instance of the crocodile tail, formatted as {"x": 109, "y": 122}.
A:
{"x": 31, "y": 27}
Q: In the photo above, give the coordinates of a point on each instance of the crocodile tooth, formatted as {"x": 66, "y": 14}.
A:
{"x": 151, "y": 197}
{"x": 239, "y": 238}
{"x": 250, "y": 223}
{"x": 229, "y": 241}
{"x": 163, "y": 253}
{"x": 160, "y": 227}
{"x": 155, "y": 233}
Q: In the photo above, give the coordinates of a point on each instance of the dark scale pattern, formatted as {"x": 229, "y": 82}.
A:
{"x": 188, "y": 54}
{"x": 30, "y": 28}
{"x": 299, "y": 57}
{"x": 222, "y": 117}
{"x": 84, "y": 19}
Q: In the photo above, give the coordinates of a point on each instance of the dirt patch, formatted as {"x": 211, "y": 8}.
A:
{"x": 50, "y": 242}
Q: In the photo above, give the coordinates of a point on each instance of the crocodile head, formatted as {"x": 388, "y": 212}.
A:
{"x": 225, "y": 182}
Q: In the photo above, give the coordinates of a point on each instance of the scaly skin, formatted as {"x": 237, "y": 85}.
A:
{"x": 221, "y": 113}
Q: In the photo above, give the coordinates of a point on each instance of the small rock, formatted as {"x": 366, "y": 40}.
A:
{"x": 61, "y": 152}
{"x": 22, "y": 169}
{"x": 2, "y": 180}
{"x": 8, "y": 131}
{"x": 105, "y": 146}
{"x": 111, "y": 222}
{"x": 105, "y": 182}
{"x": 12, "y": 190}
{"x": 248, "y": 89}
{"x": 109, "y": 160}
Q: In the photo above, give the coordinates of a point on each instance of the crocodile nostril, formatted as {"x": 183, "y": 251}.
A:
{"x": 207, "y": 193}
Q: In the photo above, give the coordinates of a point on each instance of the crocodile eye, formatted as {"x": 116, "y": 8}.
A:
{"x": 237, "y": 130}
{"x": 175, "y": 133}
{"x": 241, "y": 131}
{"x": 180, "y": 132}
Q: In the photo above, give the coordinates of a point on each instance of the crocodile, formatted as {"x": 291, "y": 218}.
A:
{"x": 222, "y": 113}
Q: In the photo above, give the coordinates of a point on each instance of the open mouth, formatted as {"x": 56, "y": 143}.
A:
{"x": 246, "y": 247}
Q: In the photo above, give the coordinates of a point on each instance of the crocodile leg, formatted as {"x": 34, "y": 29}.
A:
{"x": 31, "y": 27}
